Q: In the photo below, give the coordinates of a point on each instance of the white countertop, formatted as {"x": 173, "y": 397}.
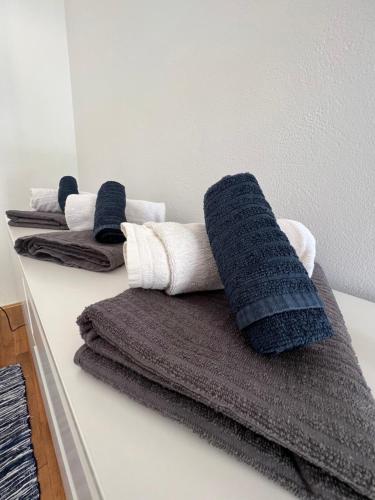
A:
{"x": 134, "y": 452}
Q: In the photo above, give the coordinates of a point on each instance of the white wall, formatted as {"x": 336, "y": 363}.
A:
{"x": 37, "y": 144}
{"x": 171, "y": 95}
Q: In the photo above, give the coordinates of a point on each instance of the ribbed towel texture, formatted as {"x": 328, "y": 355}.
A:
{"x": 44, "y": 200}
{"x": 178, "y": 258}
{"x": 67, "y": 185}
{"x": 73, "y": 249}
{"x": 80, "y": 211}
{"x": 305, "y": 419}
{"x": 34, "y": 218}
{"x": 274, "y": 301}
{"x": 110, "y": 213}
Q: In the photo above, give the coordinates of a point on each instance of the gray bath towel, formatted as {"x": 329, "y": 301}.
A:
{"x": 306, "y": 419}
{"x": 34, "y": 218}
{"x": 73, "y": 249}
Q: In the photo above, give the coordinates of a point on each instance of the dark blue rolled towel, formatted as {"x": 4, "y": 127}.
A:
{"x": 110, "y": 213}
{"x": 67, "y": 185}
{"x": 274, "y": 301}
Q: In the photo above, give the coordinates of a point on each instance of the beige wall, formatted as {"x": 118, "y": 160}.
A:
{"x": 171, "y": 95}
{"x": 37, "y": 144}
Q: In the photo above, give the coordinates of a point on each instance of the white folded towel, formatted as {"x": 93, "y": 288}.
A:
{"x": 44, "y": 200}
{"x": 177, "y": 257}
{"x": 80, "y": 211}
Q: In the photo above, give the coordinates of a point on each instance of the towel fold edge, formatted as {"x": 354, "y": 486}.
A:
{"x": 269, "y": 306}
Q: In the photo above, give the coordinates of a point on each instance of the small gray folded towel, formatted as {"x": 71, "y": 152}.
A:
{"x": 72, "y": 249}
{"x": 34, "y": 218}
{"x": 305, "y": 418}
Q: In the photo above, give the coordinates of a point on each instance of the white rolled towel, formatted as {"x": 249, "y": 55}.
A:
{"x": 170, "y": 256}
{"x": 141, "y": 211}
{"x": 302, "y": 240}
{"x": 44, "y": 200}
{"x": 177, "y": 257}
{"x": 80, "y": 211}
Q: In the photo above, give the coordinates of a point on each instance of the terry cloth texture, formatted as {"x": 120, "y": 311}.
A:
{"x": 18, "y": 468}
{"x": 110, "y": 212}
{"x": 44, "y": 200}
{"x": 178, "y": 258}
{"x": 305, "y": 419}
{"x": 274, "y": 300}
{"x": 67, "y": 185}
{"x": 33, "y": 218}
{"x": 72, "y": 249}
{"x": 80, "y": 211}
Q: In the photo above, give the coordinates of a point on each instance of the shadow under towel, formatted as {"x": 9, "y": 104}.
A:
{"x": 274, "y": 300}
{"x": 305, "y": 419}
{"x": 73, "y": 249}
{"x": 34, "y": 218}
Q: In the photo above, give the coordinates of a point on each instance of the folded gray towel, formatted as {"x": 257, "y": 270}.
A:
{"x": 34, "y": 218}
{"x": 73, "y": 249}
{"x": 306, "y": 419}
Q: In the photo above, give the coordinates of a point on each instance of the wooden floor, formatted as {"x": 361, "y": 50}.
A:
{"x": 14, "y": 348}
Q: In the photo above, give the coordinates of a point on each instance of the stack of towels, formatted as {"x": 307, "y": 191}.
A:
{"x": 66, "y": 208}
{"x": 230, "y": 328}
{"x": 95, "y": 239}
{"x": 263, "y": 264}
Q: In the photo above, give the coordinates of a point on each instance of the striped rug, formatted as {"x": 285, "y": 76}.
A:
{"x": 18, "y": 469}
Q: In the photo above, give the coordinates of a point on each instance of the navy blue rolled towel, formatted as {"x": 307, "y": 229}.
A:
{"x": 110, "y": 213}
{"x": 67, "y": 185}
{"x": 275, "y": 302}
